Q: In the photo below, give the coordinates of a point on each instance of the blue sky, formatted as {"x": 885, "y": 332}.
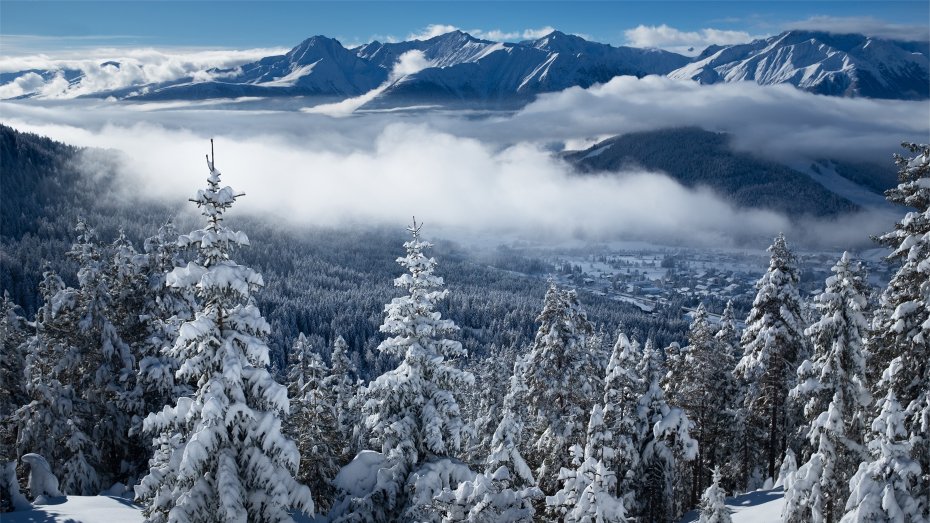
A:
{"x": 47, "y": 26}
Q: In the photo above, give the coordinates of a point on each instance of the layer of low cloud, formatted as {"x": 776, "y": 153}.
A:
{"x": 136, "y": 67}
{"x": 493, "y": 172}
{"x": 449, "y": 181}
{"x": 685, "y": 42}
{"x": 867, "y": 25}
{"x": 777, "y": 121}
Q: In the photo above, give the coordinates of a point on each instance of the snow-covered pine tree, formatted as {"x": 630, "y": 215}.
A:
{"x": 773, "y": 346}
{"x": 731, "y": 447}
{"x": 505, "y": 491}
{"x": 664, "y": 443}
{"x": 713, "y": 502}
{"x": 587, "y": 493}
{"x": 900, "y": 341}
{"x": 622, "y": 389}
{"x": 833, "y": 389}
{"x": 340, "y": 384}
{"x": 312, "y": 422}
{"x": 507, "y": 437}
{"x": 492, "y": 378}
{"x": 57, "y": 421}
{"x": 13, "y": 336}
{"x": 107, "y": 359}
{"x": 703, "y": 383}
{"x": 163, "y": 312}
{"x": 232, "y": 463}
{"x": 884, "y": 489}
{"x": 562, "y": 378}
{"x": 411, "y": 412}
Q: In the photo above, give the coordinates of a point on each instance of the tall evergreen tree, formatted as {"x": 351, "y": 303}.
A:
{"x": 773, "y": 347}
{"x": 587, "y": 492}
{"x": 900, "y": 342}
{"x": 57, "y": 421}
{"x": 163, "y": 312}
{"x": 505, "y": 491}
{"x": 884, "y": 488}
{"x": 313, "y": 421}
{"x": 664, "y": 443}
{"x": 833, "y": 387}
{"x": 230, "y": 461}
{"x": 622, "y": 389}
{"x": 340, "y": 384}
{"x": 731, "y": 446}
{"x": 561, "y": 377}
{"x": 13, "y": 335}
{"x": 411, "y": 412}
{"x": 107, "y": 358}
{"x": 703, "y": 384}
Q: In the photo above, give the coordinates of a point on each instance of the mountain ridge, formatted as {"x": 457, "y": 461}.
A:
{"x": 463, "y": 68}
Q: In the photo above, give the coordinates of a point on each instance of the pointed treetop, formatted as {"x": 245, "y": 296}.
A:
{"x": 415, "y": 229}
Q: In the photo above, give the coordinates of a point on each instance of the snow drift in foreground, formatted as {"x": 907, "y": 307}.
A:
{"x": 761, "y": 506}
{"x": 81, "y": 509}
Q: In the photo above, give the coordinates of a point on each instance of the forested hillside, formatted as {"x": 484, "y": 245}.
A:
{"x": 700, "y": 158}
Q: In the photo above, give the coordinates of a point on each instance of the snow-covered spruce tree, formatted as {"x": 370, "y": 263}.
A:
{"x": 773, "y": 346}
{"x": 562, "y": 379}
{"x": 702, "y": 392}
{"x": 492, "y": 378}
{"x": 587, "y": 492}
{"x": 900, "y": 341}
{"x": 13, "y": 336}
{"x": 834, "y": 392}
{"x": 505, "y": 443}
{"x": 163, "y": 312}
{"x": 108, "y": 361}
{"x": 622, "y": 389}
{"x": 411, "y": 412}
{"x": 312, "y": 422}
{"x": 731, "y": 447}
{"x": 713, "y": 502}
{"x": 664, "y": 443}
{"x": 341, "y": 385}
{"x": 884, "y": 489}
{"x": 505, "y": 491}
{"x": 227, "y": 459}
{"x": 57, "y": 421}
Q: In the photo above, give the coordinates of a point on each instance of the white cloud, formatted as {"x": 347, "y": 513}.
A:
{"x": 450, "y": 182}
{"x": 685, "y": 42}
{"x": 496, "y": 35}
{"x": 136, "y": 67}
{"x": 495, "y": 171}
{"x": 431, "y": 31}
{"x": 866, "y": 25}
{"x": 777, "y": 121}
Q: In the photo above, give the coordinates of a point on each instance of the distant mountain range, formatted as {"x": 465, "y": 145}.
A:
{"x": 462, "y": 68}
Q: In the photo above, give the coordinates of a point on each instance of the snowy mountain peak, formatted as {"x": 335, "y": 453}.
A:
{"x": 820, "y": 62}
{"x": 467, "y": 69}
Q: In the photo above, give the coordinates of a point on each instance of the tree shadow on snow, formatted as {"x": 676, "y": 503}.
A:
{"x": 749, "y": 499}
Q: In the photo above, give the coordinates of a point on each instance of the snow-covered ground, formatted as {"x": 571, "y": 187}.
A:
{"x": 80, "y": 509}
{"x": 761, "y": 506}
